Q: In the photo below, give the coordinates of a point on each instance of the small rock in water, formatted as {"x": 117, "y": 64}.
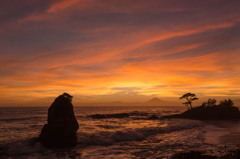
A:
{"x": 62, "y": 126}
{"x": 153, "y": 117}
{"x": 105, "y": 116}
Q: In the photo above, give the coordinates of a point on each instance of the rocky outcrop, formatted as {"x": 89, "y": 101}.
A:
{"x": 216, "y": 112}
{"x": 231, "y": 154}
{"x": 62, "y": 126}
{"x": 192, "y": 155}
{"x": 106, "y": 116}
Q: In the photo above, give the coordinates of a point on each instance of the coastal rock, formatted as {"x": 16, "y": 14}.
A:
{"x": 106, "y": 116}
{"x": 153, "y": 117}
{"x": 192, "y": 155}
{"x": 62, "y": 126}
{"x": 231, "y": 154}
{"x": 209, "y": 113}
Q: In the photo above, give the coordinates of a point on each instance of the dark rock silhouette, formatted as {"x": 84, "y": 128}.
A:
{"x": 105, "y": 116}
{"x": 192, "y": 155}
{"x": 62, "y": 126}
{"x": 224, "y": 111}
{"x": 153, "y": 117}
{"x": 232, "y": 154}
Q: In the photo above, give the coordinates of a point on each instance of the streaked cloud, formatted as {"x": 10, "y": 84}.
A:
{"x": 130, "y": 48}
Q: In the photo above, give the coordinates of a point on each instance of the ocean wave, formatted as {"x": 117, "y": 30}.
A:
{"x": 21, "y": 148}
{"x": 138, "y": 113}
{"x": 31, "y": 146}
{"x": 20, "y": 119}
{"x": 109, "y": 126}
{"x": 108, "y": 138}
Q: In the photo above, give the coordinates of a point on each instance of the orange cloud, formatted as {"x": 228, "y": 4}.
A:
{"x": 99, "y": 50}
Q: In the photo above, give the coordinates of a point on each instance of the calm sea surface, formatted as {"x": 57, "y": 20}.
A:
{"x": 136, "y": 136}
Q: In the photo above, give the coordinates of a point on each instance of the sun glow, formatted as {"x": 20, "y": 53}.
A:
{"x": 97, "y": 50}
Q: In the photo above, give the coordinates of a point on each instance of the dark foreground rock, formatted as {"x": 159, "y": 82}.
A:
{"x": 62, "y": 126}
{"x": 192, "y": 155}
{"x": 232, "y": 154}
{"x": 209, "y": 113}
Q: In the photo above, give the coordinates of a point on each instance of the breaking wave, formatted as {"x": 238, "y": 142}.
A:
{"x": 108, "y": 138}
{"x": 21, "y": 148}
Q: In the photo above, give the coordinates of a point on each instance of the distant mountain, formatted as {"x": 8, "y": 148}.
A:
{"x": 151, "y": 102}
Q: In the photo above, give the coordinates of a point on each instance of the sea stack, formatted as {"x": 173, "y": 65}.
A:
{"x": 62, "y": 126}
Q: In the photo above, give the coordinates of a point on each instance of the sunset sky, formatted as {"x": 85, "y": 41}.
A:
{"x": 118, "y": 50}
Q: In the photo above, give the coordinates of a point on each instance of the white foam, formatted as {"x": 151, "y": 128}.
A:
{"x": 24, "y": 147}
{"x": 106, "y": 138}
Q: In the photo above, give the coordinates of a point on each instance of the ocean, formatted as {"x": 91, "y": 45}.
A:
{"x": 126, "y": 133}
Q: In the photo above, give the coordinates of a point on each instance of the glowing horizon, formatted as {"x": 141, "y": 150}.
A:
{"x": 128, "y": 50}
